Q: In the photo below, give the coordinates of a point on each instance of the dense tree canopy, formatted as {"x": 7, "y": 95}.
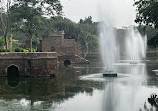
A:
{"x": 153, "y": 42}
{"x": 147, "y": 12}
{"x": 26, "y": 14}
{"x": 71, "y": 29}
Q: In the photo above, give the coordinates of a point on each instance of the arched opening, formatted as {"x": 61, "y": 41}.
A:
{"x": 52, "y": 48}
{"x": 13, "y": 71}
{"x": 67, "y": 62}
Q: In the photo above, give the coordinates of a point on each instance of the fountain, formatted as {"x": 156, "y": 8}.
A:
{"x": 131, "y": 46}
{"x": 135, "y": 46}
{"x": 110, "y": 47}
{"x": 109, "y": 50}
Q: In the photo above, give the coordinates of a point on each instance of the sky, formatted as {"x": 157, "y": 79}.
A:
{"x": 118, "y": 12}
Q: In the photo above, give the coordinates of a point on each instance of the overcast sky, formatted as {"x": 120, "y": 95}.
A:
{"x": 120, "y": 12}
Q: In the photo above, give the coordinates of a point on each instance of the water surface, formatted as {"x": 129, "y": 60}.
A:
{"x": 82, "y": 88}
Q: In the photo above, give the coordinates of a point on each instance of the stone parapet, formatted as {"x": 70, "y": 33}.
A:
{"x": 28, "y": 55}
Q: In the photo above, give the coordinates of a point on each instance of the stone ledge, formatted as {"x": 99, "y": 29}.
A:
{"x": 28, "y": 55}
{"x": 28, "y": 58}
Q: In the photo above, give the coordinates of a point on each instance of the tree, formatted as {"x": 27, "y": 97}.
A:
{"x": 153, "y": 42}
{"x": 87, "y": 20}
{"x": 35, "y": 42}
{"x": 88, "y": 35}
{"x": 27, "y": 14}
{"x": 4, "y": 18}
{"x": 90, "y": 43}
{"x": 71, "y": 29}
{"x": 147, "y": 12}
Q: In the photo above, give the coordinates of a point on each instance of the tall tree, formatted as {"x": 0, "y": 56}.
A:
{"x": 147, "y": 12}
{"x": 87, "y": 20}
{"x": 26, "y": 14}
{"x": 4, "y": 18}
{"x": 70, "y": 28}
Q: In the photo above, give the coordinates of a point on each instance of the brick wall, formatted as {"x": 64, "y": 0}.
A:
{"x": 62, "y": 46}
{"x": 68, "y": 42}
{"x": 48, "y": 42}
{"x": 66, "y": 50}
{"x": 78, "y": 50}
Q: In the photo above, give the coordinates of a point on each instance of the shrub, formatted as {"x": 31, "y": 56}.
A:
{"x": 19, "y": 50}
{"x": 28, "y": 49}
{"x": 4, "y": 50}
{"x": 7, "y": 50}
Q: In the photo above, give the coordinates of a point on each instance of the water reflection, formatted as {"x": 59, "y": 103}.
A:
{"x": 68, "y": 92}
{"x": 13, "y": 81}
{"x": 123, "y": 94}
{"x": 43, "y": 93}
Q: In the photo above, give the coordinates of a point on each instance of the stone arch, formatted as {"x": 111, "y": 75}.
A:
{"x": 67, "y": 62}
{"x": 13, "y": 70}
{"x": 52, "y": 48}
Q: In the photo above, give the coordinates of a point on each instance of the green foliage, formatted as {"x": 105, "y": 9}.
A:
{"x": 70, "y": 28}
{"x": 84, "y": 32}
{"x": 153, "y": 42}
{"x": 28, "y": 21}
{"x": 2, "y": 41}
{"x": 147, "y": 12}
{"x": 15, "y": 45}
{"x": 87, "y": 20}
{"x": 28, "y": 49}
{"x": 93, "y": 44}
{"x": 150, "y": 31}
{"x": 26, "y": 15}
{"x": 4, "y": 50}
{"x": 35, "y": 41}
{"x": 89, "y": 35}
{"x": 19, "y": 49}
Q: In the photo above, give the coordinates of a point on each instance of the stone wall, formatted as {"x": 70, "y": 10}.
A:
{"x": 68, "y": 42}
{"x": 78, "y": 50}
{"x": 66, "y": 50}
{"x": 29, "y": 64}
{"x": 73, "y": 59}
{"x": 48, "y": 42}
{"x": 61, "y": 46}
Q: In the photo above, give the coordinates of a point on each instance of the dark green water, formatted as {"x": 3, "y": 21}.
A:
{"x": 82, "y": 88}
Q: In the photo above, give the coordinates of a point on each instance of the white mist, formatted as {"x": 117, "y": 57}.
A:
{"x": 108, "y": 45}
{"x": 135, "y": 45}
{"x": 110, "y": 14}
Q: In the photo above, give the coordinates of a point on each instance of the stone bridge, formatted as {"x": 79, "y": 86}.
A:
{"x": 28, "y": 64}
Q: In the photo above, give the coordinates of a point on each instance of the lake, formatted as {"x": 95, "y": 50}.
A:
{"x": 83, "y": 88}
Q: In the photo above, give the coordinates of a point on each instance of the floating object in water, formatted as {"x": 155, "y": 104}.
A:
{"x": 109, "y": 74}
